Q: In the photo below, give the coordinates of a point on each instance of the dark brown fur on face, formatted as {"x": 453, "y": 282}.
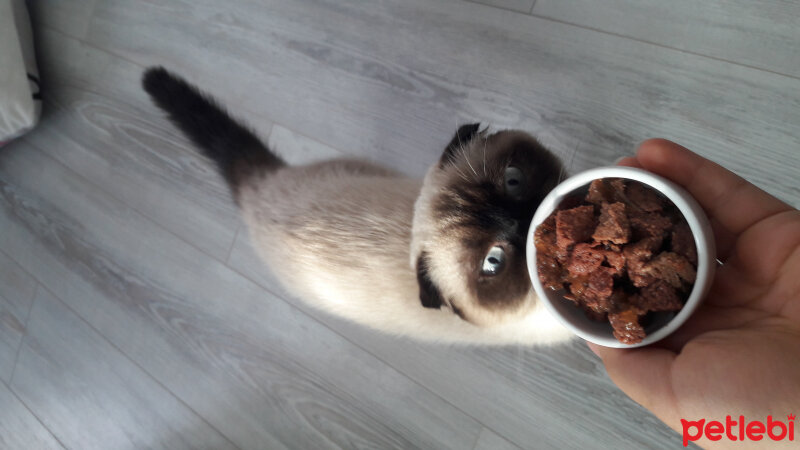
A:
{"x": 476, "y": 210}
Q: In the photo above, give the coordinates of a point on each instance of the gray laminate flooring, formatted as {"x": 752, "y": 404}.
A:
{"x": 133, "y": 312}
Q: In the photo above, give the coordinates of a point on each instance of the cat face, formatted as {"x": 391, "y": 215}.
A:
{"x": 471, "y": 223}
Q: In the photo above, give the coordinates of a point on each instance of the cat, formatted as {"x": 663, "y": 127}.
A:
{"x": 439, "y": 259}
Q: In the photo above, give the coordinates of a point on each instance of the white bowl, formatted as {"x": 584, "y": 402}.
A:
{"x": 664, "y": 323}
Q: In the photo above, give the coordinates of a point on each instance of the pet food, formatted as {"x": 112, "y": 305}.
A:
{"x": 621, "y": 252}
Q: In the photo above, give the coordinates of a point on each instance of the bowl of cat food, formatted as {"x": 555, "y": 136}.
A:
{"x": 620, "y": 255}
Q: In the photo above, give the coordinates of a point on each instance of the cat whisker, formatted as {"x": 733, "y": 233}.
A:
{"x": 470, "y": 165}
{"x": 572, "y": 159}
{"x": 464, "y": 155}
{"x": 484, "y": 158}
{"x": 461, "y": 174}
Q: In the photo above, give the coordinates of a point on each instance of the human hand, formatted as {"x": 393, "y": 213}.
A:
{"x": 739, "y": 354}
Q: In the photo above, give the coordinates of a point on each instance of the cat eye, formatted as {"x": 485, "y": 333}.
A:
{"x": 514, "y": 181}
{"x": 494, "y": 262}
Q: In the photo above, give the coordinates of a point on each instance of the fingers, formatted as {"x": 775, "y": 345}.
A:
{"x": 710, "y": 317}
{"x": 644, "y": 375}
{"x": 723, "y": 238}
{"x": 731, "y": 200}
{"x": 629, "y": 161}
{"x": 765, "y": 247}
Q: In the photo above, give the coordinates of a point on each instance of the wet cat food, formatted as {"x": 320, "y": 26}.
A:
{"x": 621, "y": 253}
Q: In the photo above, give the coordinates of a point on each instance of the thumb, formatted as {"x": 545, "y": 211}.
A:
{"x": 644, "y": 375}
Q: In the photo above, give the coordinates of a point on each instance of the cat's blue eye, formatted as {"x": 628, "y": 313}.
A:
{"x": 514, "y": 181}
{"x": 494, "y": 262}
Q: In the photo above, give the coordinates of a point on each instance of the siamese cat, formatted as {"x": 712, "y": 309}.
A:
{"x": 439, "y": 259}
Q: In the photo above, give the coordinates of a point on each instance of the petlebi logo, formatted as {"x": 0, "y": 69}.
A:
{"x": 738, "y": 429}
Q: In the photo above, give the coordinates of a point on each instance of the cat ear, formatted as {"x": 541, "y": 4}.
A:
{"x": 429, "y": 294}
{"x": 464, "y": 134}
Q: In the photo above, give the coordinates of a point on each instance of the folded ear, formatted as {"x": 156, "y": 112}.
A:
{"x": 429, "y": 294}
{"x": 464, "y": 134}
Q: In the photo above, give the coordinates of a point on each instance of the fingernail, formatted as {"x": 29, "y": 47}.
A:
{"x": 619, "y": 160}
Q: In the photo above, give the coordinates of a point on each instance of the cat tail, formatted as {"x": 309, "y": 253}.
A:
{"x": 237, "y": 151}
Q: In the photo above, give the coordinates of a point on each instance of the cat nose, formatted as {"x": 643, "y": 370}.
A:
{"x": 507, "y": 223}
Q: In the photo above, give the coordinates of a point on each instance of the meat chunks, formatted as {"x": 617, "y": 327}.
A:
{"x": 613, "y": 225}
{"x": 621, "y": 252}
{"x": 574, "y": 225}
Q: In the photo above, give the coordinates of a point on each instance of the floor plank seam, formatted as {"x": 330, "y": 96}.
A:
{"x": 305, "y": 135}
{"x": 531, "y": 14}
{"x": 233, "y": 244}
{"x": 159, "y": 225}
{"x": 37, "y": 24}
{"x": 631, "y": 38}
{"x": 25, "y": 333}
{"x": 43, "y": 285}
{"x": 181, "y": 143}
{"x": 92, "y": 11}
{"x": 271, "y": 129}
{"x": 312, "y": 314}
{"x": 128, "y": 205}
{"x": 243, "y": 112}
{"x": 33, "y": 296}
{"x": 30, "y": 300}
{"x": 88, "y": 43}
{"x": 19, "y": 266}
{"x": 478, "y": 2}
{"x": 137, "y": 365}
{"x": 276, "y": 295}
{"x": 38, "y": 419}
{"x": 666, "y": 47}
{"x": 477, "y": 439}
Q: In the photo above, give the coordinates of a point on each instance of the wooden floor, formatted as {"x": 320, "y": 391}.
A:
{"x": 133, "y": 313}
